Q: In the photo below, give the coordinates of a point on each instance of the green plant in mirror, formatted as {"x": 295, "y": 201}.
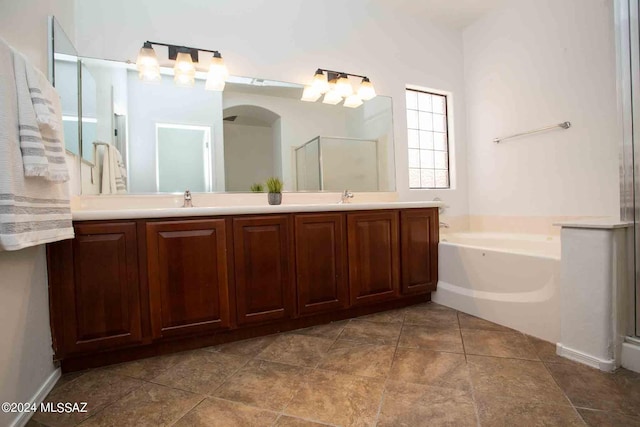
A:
{"x": 274, "y": 185}
{"x": 257, "y": 188}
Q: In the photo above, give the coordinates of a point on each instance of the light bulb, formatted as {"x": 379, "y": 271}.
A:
{"x": 310, "y": 94}
{"x": 332, "y": 97}
{"x": 147, "y": 64}
{"x": 366, "y": 90}
{"x": 320, "y": 83}
{"x": 353, "y": 101}
{"x": 184, "y": 70}
{"x": 343, "y": 86}
{"x": 218, "y": 73}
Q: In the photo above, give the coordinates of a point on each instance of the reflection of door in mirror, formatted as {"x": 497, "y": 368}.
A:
{"x": 183, "y": 158}
{"x": 251, "y": 144}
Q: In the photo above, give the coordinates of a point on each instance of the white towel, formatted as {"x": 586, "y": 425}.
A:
{"x": 114, "y": 173}
{"x": 40, "y": 123}
{"x": 33, "y": 211}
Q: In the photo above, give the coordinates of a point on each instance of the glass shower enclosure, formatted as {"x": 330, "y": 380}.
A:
{"x": 328, "y": 163}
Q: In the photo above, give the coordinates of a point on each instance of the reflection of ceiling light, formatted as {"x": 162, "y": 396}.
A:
{"x": 147, "y": 64}
{"x": 310, "y": 94}
{"x": 332, "y": 97}
{"x": 353, "y": 101}
{"x": 336, "y": 84}
{"x": 343, "y": 86}
{"x": 184, "y": 69}
{"x": 366, "y": 90}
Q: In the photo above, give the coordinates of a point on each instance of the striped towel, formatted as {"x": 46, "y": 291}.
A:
{"x": 32, "y": 211}
{"x": 40, "y": 123}
{"x": 114, "y": 173}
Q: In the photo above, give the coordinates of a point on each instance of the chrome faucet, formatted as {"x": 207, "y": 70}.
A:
{"x": 346, "y": 195}
{"x": 187, "y": 200}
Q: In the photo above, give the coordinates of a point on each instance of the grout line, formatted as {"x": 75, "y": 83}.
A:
{"x": 190, "y": 410}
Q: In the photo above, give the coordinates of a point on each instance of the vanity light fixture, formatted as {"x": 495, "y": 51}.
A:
{"x": 185, "y": 66}
{"x": 336, "y": 86}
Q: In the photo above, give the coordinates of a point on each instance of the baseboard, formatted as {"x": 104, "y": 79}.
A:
{"x": 586, "y": 359}
{"x": 631, "y": 356}
{"x": 23, "y": 418}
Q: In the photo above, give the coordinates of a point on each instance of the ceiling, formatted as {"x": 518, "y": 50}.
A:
{"x": 452, "y": 13}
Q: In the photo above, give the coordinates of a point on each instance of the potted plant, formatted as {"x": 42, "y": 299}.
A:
{"x": 274, "y": 185}
{"x": 257, "y": 188}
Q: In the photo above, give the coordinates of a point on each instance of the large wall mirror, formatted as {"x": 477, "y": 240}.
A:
{"x": 64, "y": 74}
{"x": 169, "y": 138}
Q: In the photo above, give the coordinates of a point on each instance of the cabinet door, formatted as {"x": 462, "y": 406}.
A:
{"x": 102, "y": 298}
{"x": 188, "y": 284}
{"x": 263, "y": 261}
{"x": 373, "y": 256}
{"x": 419, "y": 250}
{"x": 321, "y": 262}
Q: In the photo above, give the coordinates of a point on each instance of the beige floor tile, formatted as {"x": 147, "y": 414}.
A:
{"x": 428, "y": 367}
{"x": 432, "y": 315}
{"x": 590, "y": 388}
{"x": 371, "y": 332}
{"x": 263, "y": 384}
{"x": 595, "y": 418}
{"x": 355, "y": 358}
{"x": 328, "y": 331}
{"x": 421, "y": 336}
{"x": 98, "y": 388}
{"x": 468, "y": 321}
{"x": 301, "y": 350}
{"x": 202, "y": 372}
{"x": 337, "y": 398}
{"x": 250, "y": 348}
{"x": 519, "y": 379}
{"x": 147, "y": 369}
{"x": 506, "y": 412}
{"x": 498, "y": 344}
{"x": 151, "y": 405}
{"x": 391, "y": 316}
{"x": 546, "y": 351}
{"x": 286, "y": 421}
{"x": 214, "y": 412}
{"x": 415, "y": 405}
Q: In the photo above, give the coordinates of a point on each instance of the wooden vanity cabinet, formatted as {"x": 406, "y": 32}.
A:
{"x": 419, "y": 231}
{"x": 188, "y": 281}
{"x": 374, "y": 256}
{"x": 95, "y": 289}
{"x": 123, "y": 289}
{"x": 263, "y": 268}
{"x": 321, "y": 262}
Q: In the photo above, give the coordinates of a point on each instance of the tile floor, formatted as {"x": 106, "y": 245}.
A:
{"x": 422, "y": 365}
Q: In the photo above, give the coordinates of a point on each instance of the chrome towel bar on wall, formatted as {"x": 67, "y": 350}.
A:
{"x": 563, "y": 125}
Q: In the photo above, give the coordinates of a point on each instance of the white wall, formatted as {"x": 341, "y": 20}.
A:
{"x": 289, "y": 39}
{"x": 248, "y": 154}
{"x": 25, "y": 353}
{"x": 167, "y": 103}
{"x": 533, "y": 63}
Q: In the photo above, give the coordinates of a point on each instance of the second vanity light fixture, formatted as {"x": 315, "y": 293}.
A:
{"x": 184, "y": 69}
{"x": 335, "y": 86}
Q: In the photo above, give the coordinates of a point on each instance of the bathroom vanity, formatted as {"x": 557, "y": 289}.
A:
{"x": 140, "y": 284}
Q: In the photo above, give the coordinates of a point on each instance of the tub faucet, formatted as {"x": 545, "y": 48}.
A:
{"x": 346, "y": 195}
{"x": 187, "y": 200}
{"x": 444, "y": 225}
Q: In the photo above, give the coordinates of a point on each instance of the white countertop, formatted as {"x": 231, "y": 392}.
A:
{"x": 605, "y": 223}
{"x": 108, "y": 214}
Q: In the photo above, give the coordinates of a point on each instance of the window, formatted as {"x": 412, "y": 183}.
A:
{"x": 427, "y": 139}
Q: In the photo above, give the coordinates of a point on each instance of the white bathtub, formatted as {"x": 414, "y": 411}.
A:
{"x": 510, "y": 279}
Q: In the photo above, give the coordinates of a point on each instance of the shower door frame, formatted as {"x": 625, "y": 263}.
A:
{"x": 627, "y": 28}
